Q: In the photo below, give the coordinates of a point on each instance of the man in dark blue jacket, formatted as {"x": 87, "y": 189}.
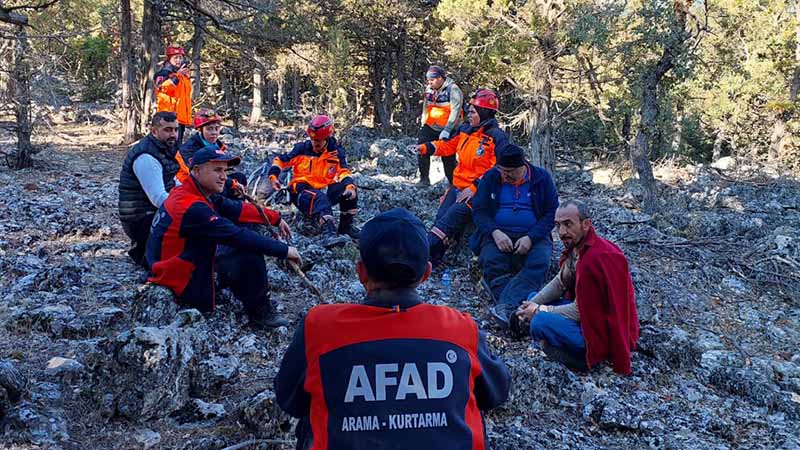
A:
{"x": 393, "y": 371}
{"x": 514, "y": 213}
{"x": 182, "y": 248}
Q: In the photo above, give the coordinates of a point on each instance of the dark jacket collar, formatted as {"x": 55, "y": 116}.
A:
{"x": 391, "y": 298}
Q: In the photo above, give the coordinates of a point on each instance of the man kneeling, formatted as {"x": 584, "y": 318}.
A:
{"x": 393, "y": 371}
{"x": 597, "y": 320}
{"x": 182, "y": 248}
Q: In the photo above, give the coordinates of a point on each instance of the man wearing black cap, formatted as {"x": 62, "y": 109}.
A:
{"x": 441, "y": 116}
{"x": 514, "y": 211}
{"x": 393, "y": 371}
{"x": 182, "y": 249}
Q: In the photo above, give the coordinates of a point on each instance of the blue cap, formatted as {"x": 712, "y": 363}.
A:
{"x": 435, "y": 72}
{"x": 394, "y": 247}
{"x": 510, "y": 155}
{"x": 213, "y": 153}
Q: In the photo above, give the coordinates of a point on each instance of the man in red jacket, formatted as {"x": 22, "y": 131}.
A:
{"x": 597, "y": 320}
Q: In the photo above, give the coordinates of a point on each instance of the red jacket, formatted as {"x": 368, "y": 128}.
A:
{"x": 606, "y": 301}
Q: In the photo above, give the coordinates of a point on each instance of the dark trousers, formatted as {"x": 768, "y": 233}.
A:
{"x": 316, "y": 203}
{"x": 139, "y": 232}
{"x": 428, "y": 134}
{"x": 451, "y": 219}
{"x": 512, "y": 277}
{"x": 181, "y": 132}
{"x": 245, "y": 274}
{"x": 559, "y": 331}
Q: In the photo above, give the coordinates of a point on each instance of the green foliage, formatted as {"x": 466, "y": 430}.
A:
{"x": 94, "y": 69}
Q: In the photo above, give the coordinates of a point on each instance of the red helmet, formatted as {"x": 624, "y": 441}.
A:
{"x": 205, "y": 117}
{"x": 172, "y": 51}
{"x": 485, "y": 98}
{"x": 320, "y": 127}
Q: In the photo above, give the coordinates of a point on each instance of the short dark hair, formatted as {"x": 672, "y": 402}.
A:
{"x": 163, "y": 116}
{"x": 583, "y": 209}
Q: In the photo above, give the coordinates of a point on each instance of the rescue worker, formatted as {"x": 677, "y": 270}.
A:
{"x": 320, "y": 179}
{"x": 147, "y": 175}
{"x": 441, "y": 117}
{"x": 475, "y": 142}
{"x": 182, "y": 249}
{"x": 392, "y": 371}
{"x": 514, "y": 210}
{"x": 173, "y": 87}
{"x": 597, "y": 319}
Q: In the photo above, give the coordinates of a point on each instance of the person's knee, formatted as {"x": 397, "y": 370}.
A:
{"x": 542, "y": 325}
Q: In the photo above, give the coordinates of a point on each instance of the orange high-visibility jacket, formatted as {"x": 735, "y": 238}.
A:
{"x": 318, "y": 170}
{"x": 475, "y": 147}
{"x": 441, "y": 110}
{"x": 174, "y": 93}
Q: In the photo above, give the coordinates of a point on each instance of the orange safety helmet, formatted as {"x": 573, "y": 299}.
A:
{"x": 320, "y": 127}
{"x": 172, "y": 51}
{"x": 205, "y": 117}
{"x": 486, "y": 98}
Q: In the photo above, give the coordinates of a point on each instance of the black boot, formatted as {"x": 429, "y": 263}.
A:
{"x": 328, "y": 235}
{"x": 268, "y": 317}
{"x": 346, "y": 226}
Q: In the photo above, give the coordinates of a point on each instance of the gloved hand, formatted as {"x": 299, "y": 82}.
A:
{"x": 444, "y": 135}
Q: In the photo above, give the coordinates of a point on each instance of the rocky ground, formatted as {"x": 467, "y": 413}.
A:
{"x": 90, "y": 358}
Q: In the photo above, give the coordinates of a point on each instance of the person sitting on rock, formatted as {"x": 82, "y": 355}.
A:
{"x": 147, "y": 175}
{"x": 182, "y": 249}
{"x": 475, "y": 143}
{"x": 597, "y": 320}
{"x": 514, "y": 210}
{"x": 208, "y": 125}
{"x": 320, "y": 180}
{"x": 354, "y": 373}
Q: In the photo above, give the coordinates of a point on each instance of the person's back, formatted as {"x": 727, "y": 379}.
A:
{"x": 404, "y": 374}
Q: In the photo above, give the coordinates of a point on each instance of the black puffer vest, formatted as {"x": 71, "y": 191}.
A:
{"x": 133, "y": 202}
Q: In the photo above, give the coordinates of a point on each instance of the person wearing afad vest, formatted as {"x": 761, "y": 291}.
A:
{"x": 174, "y": 89}
{"x": 391, "y": 371}
{"x": 147, "y": 176}
{"x": 441, "y": 116}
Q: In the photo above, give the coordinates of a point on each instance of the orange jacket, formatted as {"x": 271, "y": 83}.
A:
{"x": 475, "y": 148}
{"x": 174, "y": 93}
{"x": 441, "y": 110}
{"x": 318, "y": 170}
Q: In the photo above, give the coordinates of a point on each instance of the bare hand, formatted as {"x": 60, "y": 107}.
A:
{"x": 294, "y": 256}
{"x": 526, "y": 311}
{"x": 464, "y": 195}
{"x": 284, "y": 232}
{"x": 350, "y": 192}
{"x": 522, "y": 246}
{"x": 502, "y": 241}
{"x": 276, "y": 185}
{"x": 184, "y": 71}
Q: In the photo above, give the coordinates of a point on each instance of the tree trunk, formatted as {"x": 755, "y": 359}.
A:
{"x": 718, "y": 141}
{"x": 640, "y": 152}
{"x": 22, "y": 98}
{"x": 151, "y": 40}
{"x": 198, "y": 41}
{"x": 258, "y": 86}
{"x": 129, "y": 110}
{"x": 281, "y": 103}
{"x": 388, "y": 96}
{"x": 542, "y": 153}
{"x": 296, "y": 89}
{"x": 780, "y": 139}
{"x": 677, "y": 131}
{"x": 381, "y": 115}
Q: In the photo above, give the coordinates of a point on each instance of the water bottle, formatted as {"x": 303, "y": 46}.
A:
{"x": 447, "y": 284}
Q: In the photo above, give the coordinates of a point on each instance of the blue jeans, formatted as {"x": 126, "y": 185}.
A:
{"x": 558, "y": 330}
{"x": 512, "y": 277}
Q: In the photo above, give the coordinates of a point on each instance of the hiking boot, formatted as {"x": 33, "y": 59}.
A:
{"x": 572, "y": 362}
{"x": 268, "y": 318}
{"x": 502, "y": 313}
{"x": 346, "y": 226}
{"x": 424, "y": 182}
{"x": 328, "y": 236}
{"x": 518, "y": 328}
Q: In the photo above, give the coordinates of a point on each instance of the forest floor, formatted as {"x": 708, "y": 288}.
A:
{"x": 717, "y": 276}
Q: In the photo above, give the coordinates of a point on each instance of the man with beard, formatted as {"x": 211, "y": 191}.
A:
{"x": 597, "y": 319}
{"x": 147, "y": 176}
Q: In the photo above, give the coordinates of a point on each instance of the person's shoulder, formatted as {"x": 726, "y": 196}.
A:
{"x": 448, "y": 315}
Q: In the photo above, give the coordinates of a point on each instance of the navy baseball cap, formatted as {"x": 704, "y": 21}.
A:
{"x": 213, "y": 153}
{"x": 394, "y": 247}
{"x": 510, "y": 156}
